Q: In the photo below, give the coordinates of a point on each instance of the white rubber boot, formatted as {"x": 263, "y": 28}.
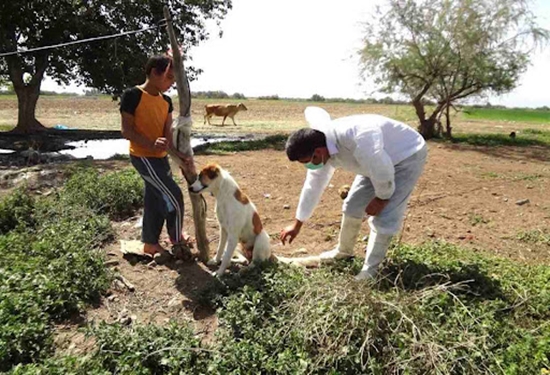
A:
{"x": 376, "y": 252}
{"x": 346, "y": 240}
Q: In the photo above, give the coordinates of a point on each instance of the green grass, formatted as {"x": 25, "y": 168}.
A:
{"x": 476, "y": 219}
{"x": 276, "y": 142}
{"x": 528, "y": 177}
{"x": 49, "y": 270}
{"x": 5, "y": 128}
{"x": 438, "y": 309}
{"x": 515, "y": 115}
{"x": 535, "y": 236}
{"x": 531, "y": 177}
{"x": 117, "y": 195}
{"x": 51, "y": 265}
{"x": 527, "y": 137}
{"x": 490, "y": 175}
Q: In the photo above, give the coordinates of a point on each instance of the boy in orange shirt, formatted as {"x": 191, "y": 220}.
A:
{"x": 146, "y": 122}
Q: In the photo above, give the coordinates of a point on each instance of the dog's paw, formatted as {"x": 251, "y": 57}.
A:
{"x": 213, "y": 262}
{"x": 217, "y": 275}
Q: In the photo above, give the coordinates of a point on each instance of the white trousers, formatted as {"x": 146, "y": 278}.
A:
{"x": 389, "y": 221}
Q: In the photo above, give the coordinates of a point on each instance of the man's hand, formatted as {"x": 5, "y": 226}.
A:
{"x": 161, "y": 144}
{"x": 290, "y": 232}
{"x": 376, "y": 206}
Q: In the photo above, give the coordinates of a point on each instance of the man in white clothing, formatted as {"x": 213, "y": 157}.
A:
{"x": 388, "y": 158}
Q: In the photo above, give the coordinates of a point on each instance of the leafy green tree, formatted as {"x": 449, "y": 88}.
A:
{"x": 447, "y": 50}
{"x": 109, "y": 65}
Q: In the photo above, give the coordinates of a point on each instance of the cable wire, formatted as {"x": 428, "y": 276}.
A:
{"x": 104, "y": 37}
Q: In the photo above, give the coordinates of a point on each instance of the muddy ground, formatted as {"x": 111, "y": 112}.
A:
{"x": 468, "y": 195}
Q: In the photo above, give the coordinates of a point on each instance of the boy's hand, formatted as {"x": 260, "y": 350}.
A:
{"x": 161, "y": 144}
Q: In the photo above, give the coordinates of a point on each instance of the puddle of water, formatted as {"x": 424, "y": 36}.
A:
{"x": 106, "y": 148}
{"x": 102, "y": 149}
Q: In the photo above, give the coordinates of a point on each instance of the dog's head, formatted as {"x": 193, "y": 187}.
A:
{"x": 208, "y": 177}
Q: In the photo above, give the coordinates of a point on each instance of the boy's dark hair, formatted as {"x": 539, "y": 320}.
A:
{"x": 158, "y": 62}
{"x": 302, "y": 143}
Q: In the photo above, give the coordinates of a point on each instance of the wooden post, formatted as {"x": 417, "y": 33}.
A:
{"x": 182, "y": 140}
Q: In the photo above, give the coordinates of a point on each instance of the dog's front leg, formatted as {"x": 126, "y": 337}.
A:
{"x": 221, "y": 247}
{"x": 227, "y": 254}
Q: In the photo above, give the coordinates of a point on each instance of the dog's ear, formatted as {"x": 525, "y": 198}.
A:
{"x": 211, "y": 171}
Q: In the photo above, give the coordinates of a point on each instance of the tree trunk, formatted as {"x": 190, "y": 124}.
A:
{"x": 27, "y": 97}
{"x": 427, "y": 126}
{"x": 27, "y": 92}
{"x": 183, "y": 136}
{"x": 448, "y": 130}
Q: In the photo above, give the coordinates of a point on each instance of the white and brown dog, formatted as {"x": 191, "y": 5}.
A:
{"x": 238, "y": 218}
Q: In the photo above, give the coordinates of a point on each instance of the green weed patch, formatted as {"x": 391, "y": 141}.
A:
{"x": 505, "y": 114}
{"x": 529, "y": 137}
{"x": 48, "y": 271}
{"x": 276, "y": 142}
{"x": 437, "y": 309}
{"x": 117, "y": 194}
{"x": 50, "y": 266}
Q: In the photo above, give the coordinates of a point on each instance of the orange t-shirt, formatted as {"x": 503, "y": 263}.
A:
{"x": 150, "y": 114}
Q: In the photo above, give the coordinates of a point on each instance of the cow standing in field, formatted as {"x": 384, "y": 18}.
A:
{"x": 225, "y": 110}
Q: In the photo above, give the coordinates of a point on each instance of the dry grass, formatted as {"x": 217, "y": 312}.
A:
{"x": 263, "y": 116}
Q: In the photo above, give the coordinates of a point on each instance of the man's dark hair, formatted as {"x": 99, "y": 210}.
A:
{"x": 159, "y": 63}
{"x": 302, "y": 143}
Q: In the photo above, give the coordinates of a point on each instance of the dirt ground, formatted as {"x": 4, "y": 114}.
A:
{"x": 262, "y": 116}
{"x": 467, "y": 195}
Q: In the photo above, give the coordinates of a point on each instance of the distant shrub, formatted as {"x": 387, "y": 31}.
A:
{"x": 317, "y": 98}
{"x": 269, "y": 97}
{"x": 92, "y": 92}
{"x": 210, "y": 95}
{"x": 238, "y": 96}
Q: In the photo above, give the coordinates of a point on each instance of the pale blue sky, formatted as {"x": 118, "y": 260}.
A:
{"x": 297, "y": 48}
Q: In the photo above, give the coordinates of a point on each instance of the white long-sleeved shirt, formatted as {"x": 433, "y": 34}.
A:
{"x": 368, "y": 145}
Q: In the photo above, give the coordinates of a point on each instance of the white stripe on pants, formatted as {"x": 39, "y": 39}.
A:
{"x": 163, "y": 199}
{"x": 166, "y": 194}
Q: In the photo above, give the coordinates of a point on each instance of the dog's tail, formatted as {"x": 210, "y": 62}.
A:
{"x": 262, "y": 248}
{"x": 313, "y": 261}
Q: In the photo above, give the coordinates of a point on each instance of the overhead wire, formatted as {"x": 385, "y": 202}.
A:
{"x": 161, "y": 23}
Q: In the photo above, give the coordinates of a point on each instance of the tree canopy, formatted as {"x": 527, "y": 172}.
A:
{"x": 109, "y": 65}
{"x": 447, "y": 50}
